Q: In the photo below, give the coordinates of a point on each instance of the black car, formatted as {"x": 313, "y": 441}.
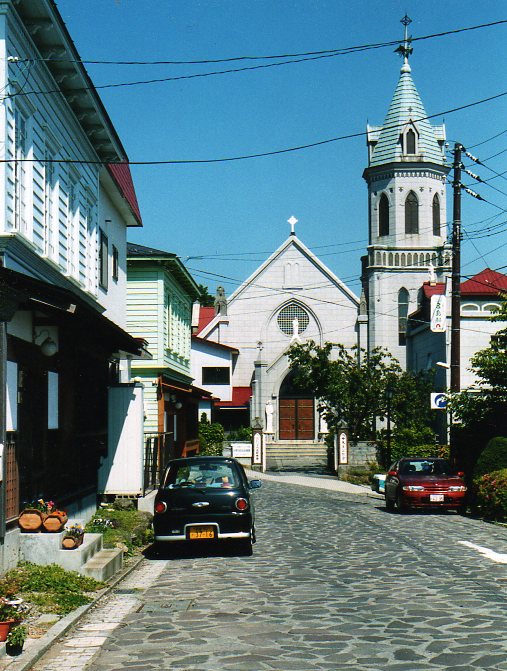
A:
{"x": 205, "y": 499}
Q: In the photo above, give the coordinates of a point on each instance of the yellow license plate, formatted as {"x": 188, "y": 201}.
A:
{"x": 201, "y": 533}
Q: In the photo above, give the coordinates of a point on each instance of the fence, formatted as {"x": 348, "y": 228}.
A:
{"x": 157, "y": 452}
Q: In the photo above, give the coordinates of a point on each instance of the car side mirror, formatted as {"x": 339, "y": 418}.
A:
{"x": 392, "y": 473}
{"x": 255, "y": 484}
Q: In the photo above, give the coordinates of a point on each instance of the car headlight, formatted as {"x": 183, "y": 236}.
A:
{"x": 413, "y": 488}
{"x": 458, "y": 488}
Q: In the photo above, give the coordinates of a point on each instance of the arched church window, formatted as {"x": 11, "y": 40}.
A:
{"x": 410, "y": 142}
{"x": 403, "y": 260}
{"x": 411, "y": 214}
{"x": 409, "y": 259}
{"x": 288, "y": 314}
{"x": 383, "y": 215}
{"x": 436, "y": 215}
{"x": 378, "y": 260}
{"x": 403, "y": 300}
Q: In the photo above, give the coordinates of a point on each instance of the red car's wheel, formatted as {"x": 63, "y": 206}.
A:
{"x": 401, "y": 505}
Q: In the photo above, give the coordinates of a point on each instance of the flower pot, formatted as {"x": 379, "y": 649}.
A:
{"x": 71, "y": 542}
{"x": 30, "y": 520}
{"x": 14, "y": 649}
{"x": 54, "y": 522}
{"x": 5, "y": 628}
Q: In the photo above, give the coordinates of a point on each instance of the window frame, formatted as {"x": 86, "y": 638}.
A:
{"x": 103, "y": 260}
{"x": 225, "y": 380}
{"x": 411, "y": 214}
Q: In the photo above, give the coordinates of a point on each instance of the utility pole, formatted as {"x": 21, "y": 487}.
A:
{"x": 455, "y": 382}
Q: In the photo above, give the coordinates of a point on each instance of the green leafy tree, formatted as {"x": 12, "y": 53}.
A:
{"x": 352, "y": 387}
{"x": 211, "y": 437}
{"x": 485, "y": 407}
{"x": 206, "y": 300}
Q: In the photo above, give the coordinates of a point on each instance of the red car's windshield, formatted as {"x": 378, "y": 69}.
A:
{"x": 423, "y": 467}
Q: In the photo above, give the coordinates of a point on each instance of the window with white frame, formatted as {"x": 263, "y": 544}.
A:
{"x": 103, "y": 260}
{"x": 288, "y": 314}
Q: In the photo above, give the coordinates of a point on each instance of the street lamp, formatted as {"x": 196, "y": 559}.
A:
{"x": 389, "y": 396}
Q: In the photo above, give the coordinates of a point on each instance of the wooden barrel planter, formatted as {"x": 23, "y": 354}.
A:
{"x": 30, "y": 520}
{"x": 71, "y": 542}
{"x": 54, "y": 522}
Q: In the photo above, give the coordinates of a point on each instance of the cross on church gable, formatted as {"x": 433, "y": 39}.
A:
{"x": 292, "y": 221}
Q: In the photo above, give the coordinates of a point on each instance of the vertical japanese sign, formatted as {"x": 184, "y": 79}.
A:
{"x": 257, "y": 448}
{"x": 343, "y": 447}
{"x": 438, "y": 323}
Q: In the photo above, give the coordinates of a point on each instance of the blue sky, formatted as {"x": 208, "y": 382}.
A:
{"x": 234, "y": 214}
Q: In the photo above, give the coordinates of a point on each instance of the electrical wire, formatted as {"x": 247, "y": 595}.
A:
{"x": 331, "y": 52}
{"x": 260, "y": 154}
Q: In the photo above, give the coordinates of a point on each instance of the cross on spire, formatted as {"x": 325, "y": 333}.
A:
{"x": 292, "y": 221}
{"x": 405, "y": 49}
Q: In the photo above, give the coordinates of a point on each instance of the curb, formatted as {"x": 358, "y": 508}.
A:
{"x": 34, "y": 651}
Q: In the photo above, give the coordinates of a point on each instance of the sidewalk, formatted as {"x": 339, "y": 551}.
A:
{"x": 317, "y": 481}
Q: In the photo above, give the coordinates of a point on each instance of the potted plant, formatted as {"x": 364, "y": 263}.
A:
{"x": 73, "y": 537}
{"x": 16, "y": 639}
{"x": 55, "y": 520}
{"x": 10, "y": 615}
{"x": 33, "y": 515}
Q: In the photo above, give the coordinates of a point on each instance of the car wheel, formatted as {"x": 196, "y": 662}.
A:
{"x": 402, "y": 507}
{"x": 253, "y": 535}
{"x": 245, "y": 547}
{"x": 389, "y": 505}
{"x": 462, "y": 510}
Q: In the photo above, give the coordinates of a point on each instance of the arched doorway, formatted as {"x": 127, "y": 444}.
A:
{"x": 296, "y": 411}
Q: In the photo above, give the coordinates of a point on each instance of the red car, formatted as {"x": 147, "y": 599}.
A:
{"x": 424, "y": 483}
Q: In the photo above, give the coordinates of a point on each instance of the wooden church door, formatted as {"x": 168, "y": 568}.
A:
{"x": 296, "y": 412}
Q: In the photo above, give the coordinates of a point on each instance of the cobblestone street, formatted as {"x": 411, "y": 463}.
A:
{"x": 335, "y": 582}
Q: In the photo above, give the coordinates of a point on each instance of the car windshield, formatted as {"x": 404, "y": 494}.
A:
{"x": 421, "y": 467}
{"x": 203, "y": 474}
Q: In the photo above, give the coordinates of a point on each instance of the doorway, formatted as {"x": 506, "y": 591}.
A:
{"x": 296, "y": 411}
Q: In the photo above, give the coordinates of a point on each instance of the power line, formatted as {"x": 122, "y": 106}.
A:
{"x": 260, "y": 154}
{"x": 325, "y": 52}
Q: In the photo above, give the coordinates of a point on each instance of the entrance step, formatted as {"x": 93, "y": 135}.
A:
{"x": 104, "y": 564}
{"x": 46, "y": 548}
{"x": 293, "y": 454}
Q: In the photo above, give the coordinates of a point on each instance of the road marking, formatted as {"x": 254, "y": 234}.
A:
{"x": 487, "y": 552}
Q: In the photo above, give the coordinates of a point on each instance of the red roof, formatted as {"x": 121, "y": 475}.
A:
{"x": 205, "y": 316}
{"x": 240, "y": 398}
{"x": 121, "y": 174}
{"x": 487, "y": 282}
{"x": 433, "y": 289}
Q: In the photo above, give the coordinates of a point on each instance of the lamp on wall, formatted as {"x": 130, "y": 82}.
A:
{"x": 174, "y": 401}
{"x": 47, "y": 345}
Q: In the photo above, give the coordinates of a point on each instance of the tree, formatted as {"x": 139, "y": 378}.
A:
{"x": 485, "y": 406}
{"x": 206, "y": 300}
{"x": 351, "y": 386}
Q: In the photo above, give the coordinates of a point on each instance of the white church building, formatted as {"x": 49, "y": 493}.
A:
{"x": 294, "y": 297}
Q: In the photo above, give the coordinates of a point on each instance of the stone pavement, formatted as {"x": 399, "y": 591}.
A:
{"x": 335, "y": 583}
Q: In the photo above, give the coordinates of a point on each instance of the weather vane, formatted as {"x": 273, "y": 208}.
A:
{"x": 405, "y": 49}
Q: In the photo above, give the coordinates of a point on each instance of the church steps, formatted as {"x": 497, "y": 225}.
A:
{"x": 300, "y": 454}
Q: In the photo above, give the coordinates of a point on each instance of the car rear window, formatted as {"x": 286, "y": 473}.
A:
{"x": 201, "y": 475}
{"x": 425, "y": 467}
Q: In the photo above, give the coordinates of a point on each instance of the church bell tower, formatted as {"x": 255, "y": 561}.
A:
{"x": 406, "y": 178}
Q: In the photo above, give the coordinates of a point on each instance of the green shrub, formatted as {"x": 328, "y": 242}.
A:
{"x": 211, "y": 438}
{"x": 128, "y": 529}
{"x": 399, "y": 450}
{"x": 243, "y": 433}
{"x": 51, "y": 588}
{"x": 491, "y": 495}
{"x": 492, "y": 458}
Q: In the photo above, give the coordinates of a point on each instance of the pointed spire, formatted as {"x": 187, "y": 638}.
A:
{"x": 405, "y": 49}
{"x": 406, "y": 109}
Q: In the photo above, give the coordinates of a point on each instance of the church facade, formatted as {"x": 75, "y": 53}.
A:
{"x": 294, "y": 297}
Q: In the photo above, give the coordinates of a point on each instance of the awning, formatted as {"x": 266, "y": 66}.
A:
{"x": 34, "y": 294}
{"x": 240, "y": 399}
